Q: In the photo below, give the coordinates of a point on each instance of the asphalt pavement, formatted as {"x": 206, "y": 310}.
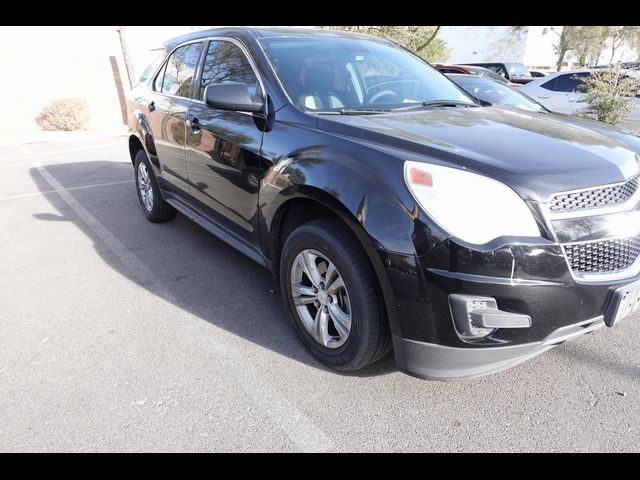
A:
{"x": 117, "y": 334}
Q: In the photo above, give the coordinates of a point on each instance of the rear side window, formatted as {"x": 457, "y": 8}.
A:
{"x": 550, "y": 85}
{"x": 150, "y": 69}
{"x": 176, "y": 75}
{"x": 226, "y": 62}
{"x": 569, "y": 82}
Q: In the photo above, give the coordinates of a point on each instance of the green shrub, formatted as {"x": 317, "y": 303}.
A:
{"x": 610, "y": 95}
{"x": 69, "y": 113}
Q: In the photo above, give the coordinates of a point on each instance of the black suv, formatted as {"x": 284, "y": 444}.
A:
{"x": 393, "y": 209}
{"x": 514, "y": 72}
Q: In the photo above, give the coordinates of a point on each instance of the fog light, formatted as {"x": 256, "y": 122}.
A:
{"x": 477, "y": 317}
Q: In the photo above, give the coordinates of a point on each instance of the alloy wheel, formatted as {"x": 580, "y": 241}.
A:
{"x": 144, "y": 186}
{"x": 321, "y": 298}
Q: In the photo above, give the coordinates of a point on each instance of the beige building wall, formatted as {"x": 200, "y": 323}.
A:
{"x": 40, "y": 64}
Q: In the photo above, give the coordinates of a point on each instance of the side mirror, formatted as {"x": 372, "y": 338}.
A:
{"x": 232, "y": 96}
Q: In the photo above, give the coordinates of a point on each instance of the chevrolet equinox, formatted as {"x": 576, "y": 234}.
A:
{"x": 393, "y": 209}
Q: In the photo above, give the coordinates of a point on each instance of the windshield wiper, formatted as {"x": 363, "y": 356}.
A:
{"x": 438, "y": 103}
{"x": 364, "y": 111}
{"x": 351, "y": 111}
{"x": 413, "y": 106}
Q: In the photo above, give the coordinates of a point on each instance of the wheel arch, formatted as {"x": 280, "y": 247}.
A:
{"x": 311, "y": 203}
{"x": 135, "y": 145}
{"x": 140, "y": 136}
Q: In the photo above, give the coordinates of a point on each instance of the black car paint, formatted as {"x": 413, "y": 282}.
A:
{"x": 353, "y": 167}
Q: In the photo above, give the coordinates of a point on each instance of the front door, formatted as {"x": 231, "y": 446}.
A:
{"x": 167, "y": 112}
{"x": 223, "y": 147}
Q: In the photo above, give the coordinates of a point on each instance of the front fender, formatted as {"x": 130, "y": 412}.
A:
{"x": 359, "y": 193}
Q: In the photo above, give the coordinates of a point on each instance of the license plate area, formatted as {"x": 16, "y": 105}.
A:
{"x": 625, "y": 301}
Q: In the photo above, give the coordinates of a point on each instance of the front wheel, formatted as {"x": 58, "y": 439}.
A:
{"x": 332, "y": 296}
{"x": 153, "y": 205}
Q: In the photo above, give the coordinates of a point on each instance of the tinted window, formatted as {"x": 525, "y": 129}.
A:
{"x": 225, "y": 62}
{"x": 493, "y": 67}
{"x": 568, "y": 83}
{"x": 179, "y": 69}
{"x": 157, "y": 83}
{"x": 500, "y": 70}
{"x": 150, "y": 69}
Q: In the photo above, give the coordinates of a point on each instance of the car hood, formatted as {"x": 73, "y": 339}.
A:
{"x": 536, "y": 154}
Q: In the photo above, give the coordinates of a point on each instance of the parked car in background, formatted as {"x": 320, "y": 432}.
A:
{"x": 630, "y": 65}
{"x": 562, "y": 92}
{"x": 514, "y": 72}
{"x": 489, "y": 92}
{"x": 390, "y": 206}
{"x": 623, "y": 65}
{"x": 472, "y": 70}
{"x": 538, "y": 73}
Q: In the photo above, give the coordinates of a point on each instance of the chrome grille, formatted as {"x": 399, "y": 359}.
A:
{"x": 607, "y": 256}
{"x": 596, "y": 197}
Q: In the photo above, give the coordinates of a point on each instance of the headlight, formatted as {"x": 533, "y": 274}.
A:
{"x": 471, "y": 207}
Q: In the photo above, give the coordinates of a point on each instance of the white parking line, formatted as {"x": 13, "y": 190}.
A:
{"x": 298, "y": 427}
{"x": 92, "y": 148}
{"x": 46, "y": 192}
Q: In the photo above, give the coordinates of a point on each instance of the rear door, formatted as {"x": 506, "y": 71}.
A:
{"x": 223, "y": 147}
{"x": 167, "y": 112}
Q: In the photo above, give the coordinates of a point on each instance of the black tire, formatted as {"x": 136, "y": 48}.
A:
{"x": 160, "y": 210}
{"x": 369, "y": 339}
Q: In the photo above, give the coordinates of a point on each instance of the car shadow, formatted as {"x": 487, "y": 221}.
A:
{"x": 199, "y": 273}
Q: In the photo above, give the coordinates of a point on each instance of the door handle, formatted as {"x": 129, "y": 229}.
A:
{"x": 542, "y": 97}
{"x": 152, "y": 107}
{"x": 195, "y": 125}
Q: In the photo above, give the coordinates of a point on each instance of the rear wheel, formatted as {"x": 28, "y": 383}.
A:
{"x": 153, "y": 205}
{"x": 332, "y": 296}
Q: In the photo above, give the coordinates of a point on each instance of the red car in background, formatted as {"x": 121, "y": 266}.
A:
{"x": 472, "y": 70}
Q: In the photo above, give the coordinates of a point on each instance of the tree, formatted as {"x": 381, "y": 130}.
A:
{"x": 609, "y": 94}
{"x": 585, "y": 40}
{"x": 422, "y": 40}
{"x": 590, "y": 42}
{"x": 629, "y": 35}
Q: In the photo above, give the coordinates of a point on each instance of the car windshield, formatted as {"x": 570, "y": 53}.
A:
{"x": 518, "y": 70}
{"x": 497, "y": 93}
{"x": 341, "y": 73}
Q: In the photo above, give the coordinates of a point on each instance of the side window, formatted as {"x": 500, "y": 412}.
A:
{"x": 157, "y": 83}
{"x": 225, "y": 62}
{"x": 150, "y": 69}
{"x": 569, "y": 83}
{"x": 500, "y": 70}
{"x": 175, "y": 77}
{"x": 550, "y": 85}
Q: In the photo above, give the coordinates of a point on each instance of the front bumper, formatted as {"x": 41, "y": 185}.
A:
{"x": 527, "y": 279}
{"x": 440, "y": 362}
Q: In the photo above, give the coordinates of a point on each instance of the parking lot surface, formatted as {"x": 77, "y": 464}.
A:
{"x": 121, "y": 335}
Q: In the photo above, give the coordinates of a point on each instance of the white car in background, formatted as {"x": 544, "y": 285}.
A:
{"x": 559, "y": 92}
